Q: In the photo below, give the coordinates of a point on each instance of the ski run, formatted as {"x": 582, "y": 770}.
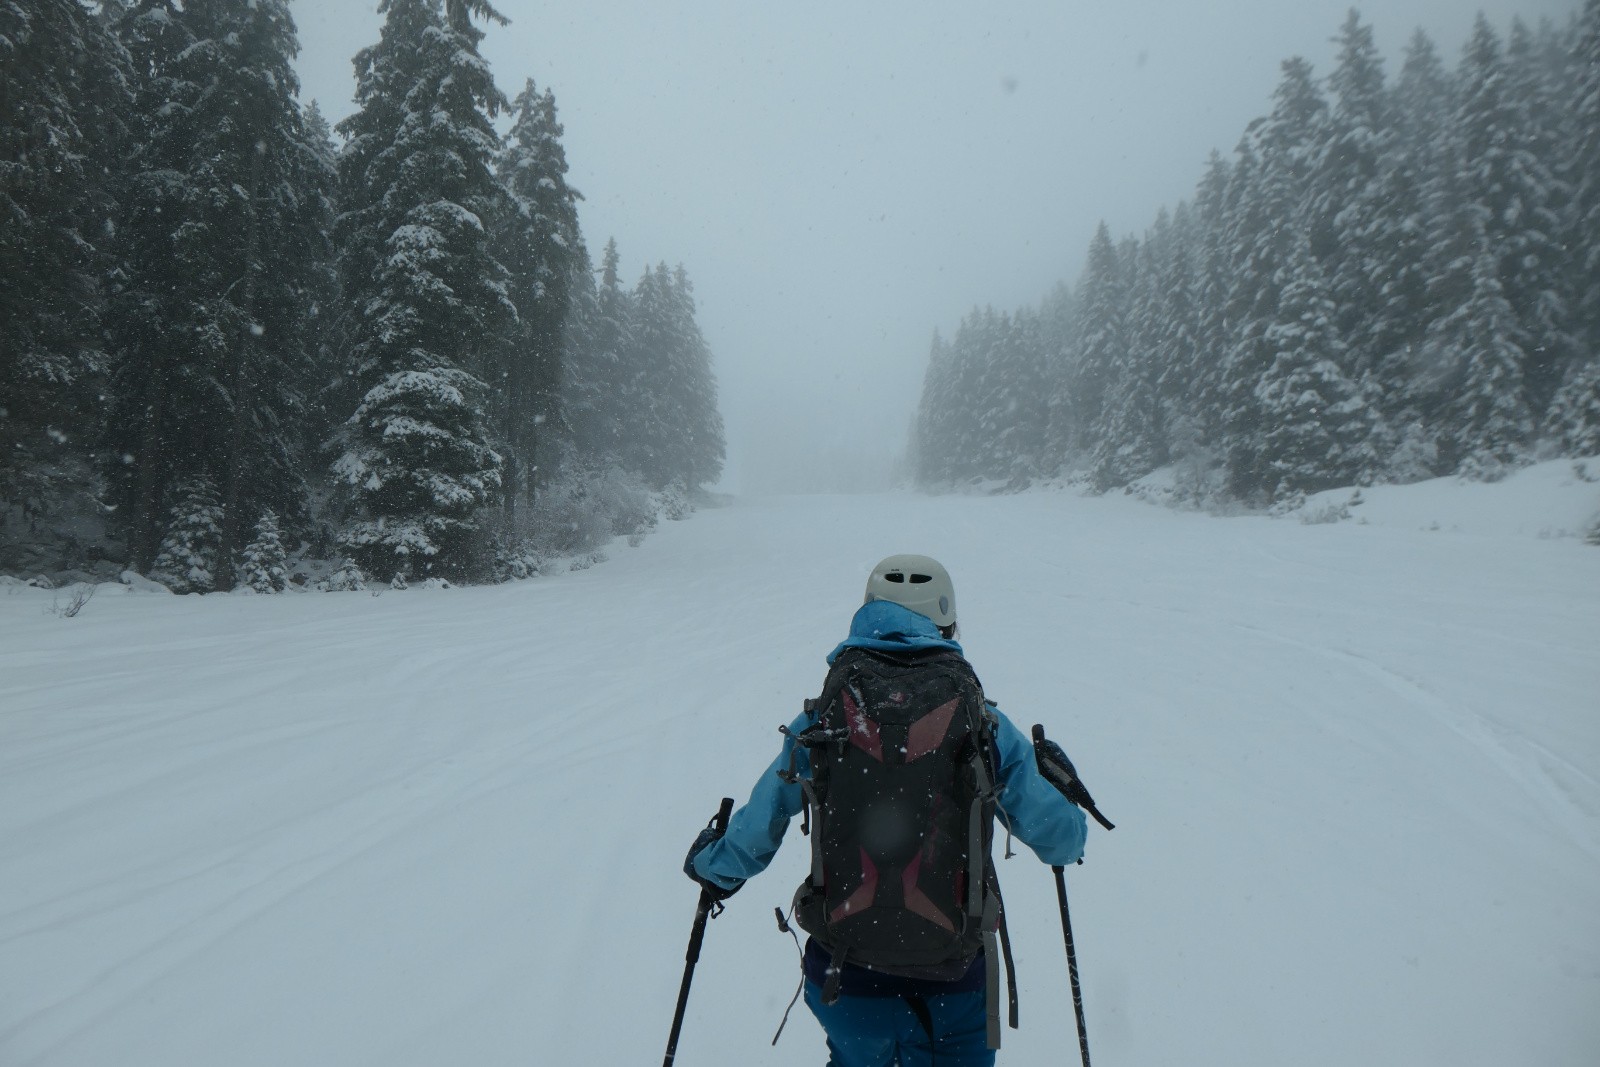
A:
{"x": 1354, "y": 766}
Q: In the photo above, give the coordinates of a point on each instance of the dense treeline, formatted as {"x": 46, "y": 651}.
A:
{"x": 226, "y": 327}
{"x": 1389, "y": 280}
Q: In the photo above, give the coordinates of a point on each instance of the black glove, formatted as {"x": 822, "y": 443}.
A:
{"x": 712, "y": 889}
{"x": 1058, "y": 770}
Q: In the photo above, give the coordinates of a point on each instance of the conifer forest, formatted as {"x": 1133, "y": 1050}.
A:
{"x": 1394, "y": 276}
{"x": 230, "y": 333}
{"x": 233, "y": 335}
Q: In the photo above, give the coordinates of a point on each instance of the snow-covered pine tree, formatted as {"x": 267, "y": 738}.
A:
{"x": 1477, "y": 361}
{"x": 1501, "y": 171}
{"x": 970, "y": 350}
{"x": 1541, "y": 270}
{"x": 268, "y": 210}
{"x": 1317, "y": 426}
{"x": 263, "y": 564}
{"x": 539, "y": 242}
{"x": 1585, "y": 166}
{"x": 1102, "y": 340}
{"x": 1271, "y": 185}
{"x": 1131, "y": 440}
{"x": 1573, "y": 423}
{"x": 704, "y": 446}
{"x": 644, "y": 447}
{"x": 190, "y": 558}
{"x": 931, "y": 455}
{"x": 674, "y": 436}
{"x": 1178, "y": 351}
{"x": 152, "y": 323}
{"x": 1413, "y": 188}
{"x": 225, "y": 235}
{"x": 1351, "y": 222}
{"x": 596, "y": 377}
{"x": 1215, "y": 328}
{"x": 1058, "y": 352}
{"x": 978, "y": 418}
{"x": 426, "y": 302}
{"x": 63, "y": 88}
{"x": 321, "y": 286}
{"x": 1020, "y": 417}
{"x": 346, "y": 578}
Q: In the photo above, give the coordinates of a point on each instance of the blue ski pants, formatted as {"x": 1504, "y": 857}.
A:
{"x": 885, "y": 1032}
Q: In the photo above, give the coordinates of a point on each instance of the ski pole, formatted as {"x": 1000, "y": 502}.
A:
{"x": 692, "y": 956}
{"x": 1066, "y": 921}
{"x": 1072, "y": 962}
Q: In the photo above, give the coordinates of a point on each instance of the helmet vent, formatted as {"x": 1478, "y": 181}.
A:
{"x": 918, "y": 579}
{"x": 894, "y": 576}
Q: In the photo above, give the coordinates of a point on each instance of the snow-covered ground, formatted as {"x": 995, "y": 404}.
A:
{"x": 1355, "y": 769}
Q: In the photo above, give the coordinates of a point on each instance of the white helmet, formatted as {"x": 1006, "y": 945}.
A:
{"x": 916, "y": 582}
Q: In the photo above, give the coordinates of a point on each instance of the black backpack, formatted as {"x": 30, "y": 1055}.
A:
{"x": 900, "y": 808}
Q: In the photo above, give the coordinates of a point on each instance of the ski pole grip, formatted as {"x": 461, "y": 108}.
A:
{"x": 723, "y": 814}
{"x": 1065, "y": 778}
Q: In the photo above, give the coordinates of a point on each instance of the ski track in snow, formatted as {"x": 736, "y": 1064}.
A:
{"x": 1355, "y": 771}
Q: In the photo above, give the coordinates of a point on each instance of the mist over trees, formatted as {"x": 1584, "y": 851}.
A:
{"x": 230, "y": 334}
{"x": 1391, "y": 278}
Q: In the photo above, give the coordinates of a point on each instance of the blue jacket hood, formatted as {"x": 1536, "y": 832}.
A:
{"x": 884, "y": 626}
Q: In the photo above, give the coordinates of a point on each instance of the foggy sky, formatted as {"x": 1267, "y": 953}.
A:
{"x": 841, "y": 179}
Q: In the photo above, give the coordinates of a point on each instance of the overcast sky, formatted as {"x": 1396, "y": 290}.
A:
{"x": 841, "y": 179}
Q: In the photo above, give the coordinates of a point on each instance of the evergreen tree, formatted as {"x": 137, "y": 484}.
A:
{"x": 1213, "y": 322}
{"x": 645, "y": 443}
{"x": 1585, "y": 166}
{"x": 225, "y": 239}
{"x": 1178, "y": 350}
{"x": 263, "y": 565}
{"x": 346, "y": 578}
{"x": 1058, "y": 351}
{"x": 190, "y": 558}
{"x": 1132, "y": 440}
{"x": 152, "y": 324}
{"x": 1516, "y": 193}
{"x": 991, "y": 423}
{"x": 675, "y": 433}
{"x": 1480, "y": 366}
{"x": 1574, "y": 419}
{"x": 63, "y": 91}
{"x": 931, "y": 453}
{"x": 700, "y": 426}
{"x": 1414, "y": 190}
{"x": 598, "y": 381}
{"x": 1352, "y": 225}
{"x": 1019, "y": 418}
{"x": 540, "y": 244}
{"x": 1273, "y": 181}
{"x": 1317, "y": 429}
{"x": 427, "y": 303}
{"x": 1102, "y": 349}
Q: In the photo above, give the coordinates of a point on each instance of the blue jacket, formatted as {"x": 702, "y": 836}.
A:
{"x": 1028, "y": 806}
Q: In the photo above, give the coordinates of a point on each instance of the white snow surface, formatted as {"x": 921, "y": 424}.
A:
{"x": 1355, "y": 771}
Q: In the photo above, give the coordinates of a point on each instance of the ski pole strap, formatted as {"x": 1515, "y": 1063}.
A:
{"x": 784, "y": 927}
{"x": 1005, "y": 948}
{"x": 991, "y": 987}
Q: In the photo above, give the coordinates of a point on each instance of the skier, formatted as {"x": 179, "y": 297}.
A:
{"x": 908, "y": 1015}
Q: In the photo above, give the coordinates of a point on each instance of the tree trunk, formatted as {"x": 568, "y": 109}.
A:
{"x": 239, "y": 379}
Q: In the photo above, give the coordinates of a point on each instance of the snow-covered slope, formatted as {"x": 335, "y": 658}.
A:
{"x": 1355, "y": 771}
